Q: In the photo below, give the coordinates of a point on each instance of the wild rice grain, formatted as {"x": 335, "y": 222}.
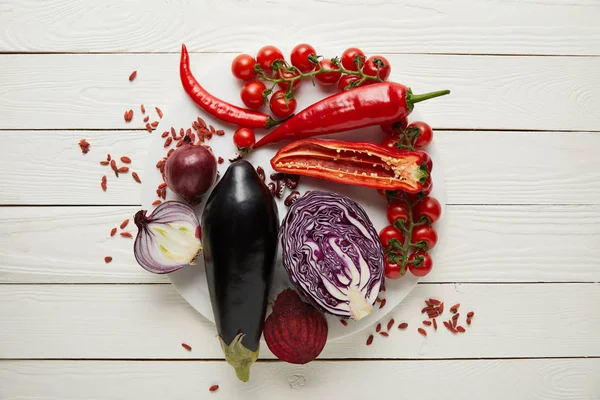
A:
{"x": 403, "y": 325}
{"x": 422, "y": 331}
{"x": 124, "y": 224}
{"x": 369, "y": 340}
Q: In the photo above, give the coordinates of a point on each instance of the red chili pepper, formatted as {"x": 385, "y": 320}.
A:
{"x": 217, "y": 107}
{"x": 379, "y": 103}
{"x": 362, "y": 164}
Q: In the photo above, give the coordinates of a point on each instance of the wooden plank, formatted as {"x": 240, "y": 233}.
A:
{"x": 478, "y": 244}
{"x": 61, "y": 91}
{"x": 462, "y": 26}
{"x": 479, "y": 167}
{"x": 468, "y": 379}
{"x": 151, "y": 322}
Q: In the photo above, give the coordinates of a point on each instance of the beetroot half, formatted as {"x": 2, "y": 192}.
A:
{"x": 295, "y": 332}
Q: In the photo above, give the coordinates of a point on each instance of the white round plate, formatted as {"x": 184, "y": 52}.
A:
{"x": 190, "y": 282}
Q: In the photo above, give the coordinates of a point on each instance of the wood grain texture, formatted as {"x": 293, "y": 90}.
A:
{"x": 462, "y": 26}
{"x": 92, "y": 91}
{"x": 479, "y": 167}
{"x": 151, "y": 322}
{"x": 565, "y": 379}
{"x": 479, "y": 244}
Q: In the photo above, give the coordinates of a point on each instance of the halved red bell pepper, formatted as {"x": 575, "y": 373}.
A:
{"x": 362, "y": 164}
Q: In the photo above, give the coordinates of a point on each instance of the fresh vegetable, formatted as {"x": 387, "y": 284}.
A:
{"x": 388, "y": 234}
{"x": 328, "y": 78}
{"x": 379, "y": 103}
{"x": 168, "y": 239}
{"x": 428, "y": 208}
{"x": 420, "y": 263}
{"x": 362, "y": 164}
{"x": 216, "y": 107}
{"x": 395, "y": 128}
{"x": 415, "y": 136}
{"x": 397, "y": 212}
{"x": 353, "y": 59}
{"x": 377, "y": 66}
{"x": 242, "y": 67}
{"x": 424, "y": 236}
{"x": 266, "y": 55}
{"x": 348, "y": 82}
{"x": 286, "y": 75}
{"x": 300, "y": 57}
{"x": 244, "y": 139}
{"x": 281, "y": 105}
{"x": 239, "y": 231}
{"x": 295, "y": 331}
{"x": 422, "y": 132}
{"x": 190, "y": 171}
{"x": 393, "y": 270}
{"x": 252, "y": 94}
{"x": 332, "y": 253}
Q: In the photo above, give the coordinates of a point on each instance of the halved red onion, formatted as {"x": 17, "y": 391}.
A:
{"x": 168, "y": 239}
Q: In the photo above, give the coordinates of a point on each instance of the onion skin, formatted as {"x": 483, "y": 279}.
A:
{"x": 190, "y": 171}
{"x": 295, "y": 331}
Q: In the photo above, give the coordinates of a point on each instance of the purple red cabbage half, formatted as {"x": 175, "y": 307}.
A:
{"x": 332, "y": 253}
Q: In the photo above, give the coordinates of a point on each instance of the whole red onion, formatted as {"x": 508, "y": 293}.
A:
{"x": 190, "y": 171}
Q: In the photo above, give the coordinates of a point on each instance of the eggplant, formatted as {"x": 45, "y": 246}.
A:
{"x": 240, "y": 224}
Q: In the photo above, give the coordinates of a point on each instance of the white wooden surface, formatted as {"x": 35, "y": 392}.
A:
{"x": 519, "y": 139}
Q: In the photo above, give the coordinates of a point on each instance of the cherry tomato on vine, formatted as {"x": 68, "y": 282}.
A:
{"x": 424, "y": 235}
{"x": 252, "y": 94}
{"x": 244, "y": 138}
{"x": 388, "y": 233}
{"x": 348, "y": 57}
{"x": 429, "y": 208}
{"x": 397, "y": 210}
{"x": 373, "y": 63}
{"x": 299, "y": 57}
{"x": 242, "y": 67}
{"x": 265, "y": 57}
{"x": 278, "y": 105}
{"x": 425, "y": 263}
{"x": 347, "y": 80}
{"x": 424, "y": 134}
{"x": 392, "y": 270}
{"x": 396, "y": 128}
{"x": 287, "y": 74}
{"x": 328, "y": 78}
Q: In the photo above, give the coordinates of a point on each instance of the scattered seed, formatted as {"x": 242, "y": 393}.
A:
{"x": 422, "y": 331}
{"x": 384, "y": 334}
{"x": 113, "y": 231}
{"x": 213, "y": 388}
{"x": 159, "y": 112}
{"x": 369, "y": 340}
{"x": 136, "y": 177}
{"x": 378, "y": 328}
{"x": 441, "y": 308}
{"x": 146, "y": 118}
{"x": 124, "y": 224}
{"x": 123, "y": 170}
{"x": 292, "y": 198}
{"x": 103, "y": 186}
{"x": 164, "y": 134}
{"x": 107, "y": 259}
{"x": 276, "y": 176}
{"x": 434, "y": 324}
{"x": 156, "y": 202}
{"x": 454, "y": 308}
{"x": 219, "y": 132}
{"x": 427, "y": 323}
{"x": 170, "y": 152}
{"x": 447, "y": 325}
{"x": 343, "y": 322}
{"x": 142, "y": 109}
{"x": 154, "y": 124}
{"x": 212, "y": 129}
{"x": 148, "y": 127}
{"x": 179, "y": 143}
{"x": 434, "y": 301}
{"x": 280, "y": 188}
{"x": 261, "y": 173}
{"x": 108, "y": 157}
{"x": 173, "y": 133}
{"x": 126, "y": 234}
{"x": 220, "y": 160}
{"x": 84, "y": 146}
{"x": 291, "y": 181}
{"x": 470, "y": 314}
{"x": 455, "y": 317}
{"x": 429, "y": 303}
{"x": 128, "y": 116}
{"x": 104, "y": 162}
{"x": 201, "y": 122}
{"x": 403, "y": 325}
{"x": 382, "y": 304}
{"x": 469, "y": 321}
{"x": 390, "y": 324}
{"x": 132, "y": 76}
{"x": 168, "y": 141}
{"x": 378, "y": 300}
{"x": 186, "y": 346}
{"x": 271, "y": 187}
{"x": 103, "y": 179}
{"x": 460, "y": 329}
{"x": 162, "y": 185}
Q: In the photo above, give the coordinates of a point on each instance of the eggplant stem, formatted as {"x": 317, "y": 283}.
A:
{"x": 239, "y": 357}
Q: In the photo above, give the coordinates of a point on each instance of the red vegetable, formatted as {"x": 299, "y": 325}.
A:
{"x": 299, "y": 57}
{"x": 190, "y": 171}
{"x": 242, "y": 67}
{"x": 377, "y": 62}
{"x": 216, "y": 107}
{"x": 252, "y": 94}
{"x": 244, "y": 139}
{"x": 345, "y": 83}
{"x": 280, "y": 106}
{"x": 265, "y": 57}
{"x": 420, "y": 263}
{"x": 361, "y": 164}
{"x": 295, "y": 331}
{"x": 376, "y": 104}
{"x": 428, "y": 208}
{"x": 349, "y": 57}
{"x": 328, "y": 78}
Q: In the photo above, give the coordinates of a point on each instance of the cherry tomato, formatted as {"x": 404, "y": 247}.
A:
{"x": 347, "y": 80}
{"x": 382, "y": 193}
{"x": 244, "y": 138}
{"x": 252, "y": 94}
{"x": 397, "y": 210}
{"x": 388, "y": 233}
{"x": 424, "y": 235}
{"x": 428, "y": 208}
{"x": 424, "y": 134}
{"x": 348, "y": 57}
{"x": 396, "y": 128}
{"x": 328, "y": 78}
{"x": 299, "y": 57}
{"x": 373, "y": 62}
{"x": 265, "y": 57}
{"x": 392, "y": 270}
{"x": 288, "y": 74}
{"x": 278, "y": 105}
{"x": 390, "y": 143}
{"x": 423, "y": 259}
{"x": 428, "y": 163}
{"x": 242, "y": 67}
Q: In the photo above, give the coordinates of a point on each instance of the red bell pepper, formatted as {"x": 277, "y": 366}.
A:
{"x": 376, "y": 104}
{"x": 362, "y": 164}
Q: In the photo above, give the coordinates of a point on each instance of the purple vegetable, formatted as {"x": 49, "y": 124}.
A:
{"x": 332, "y": 253}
